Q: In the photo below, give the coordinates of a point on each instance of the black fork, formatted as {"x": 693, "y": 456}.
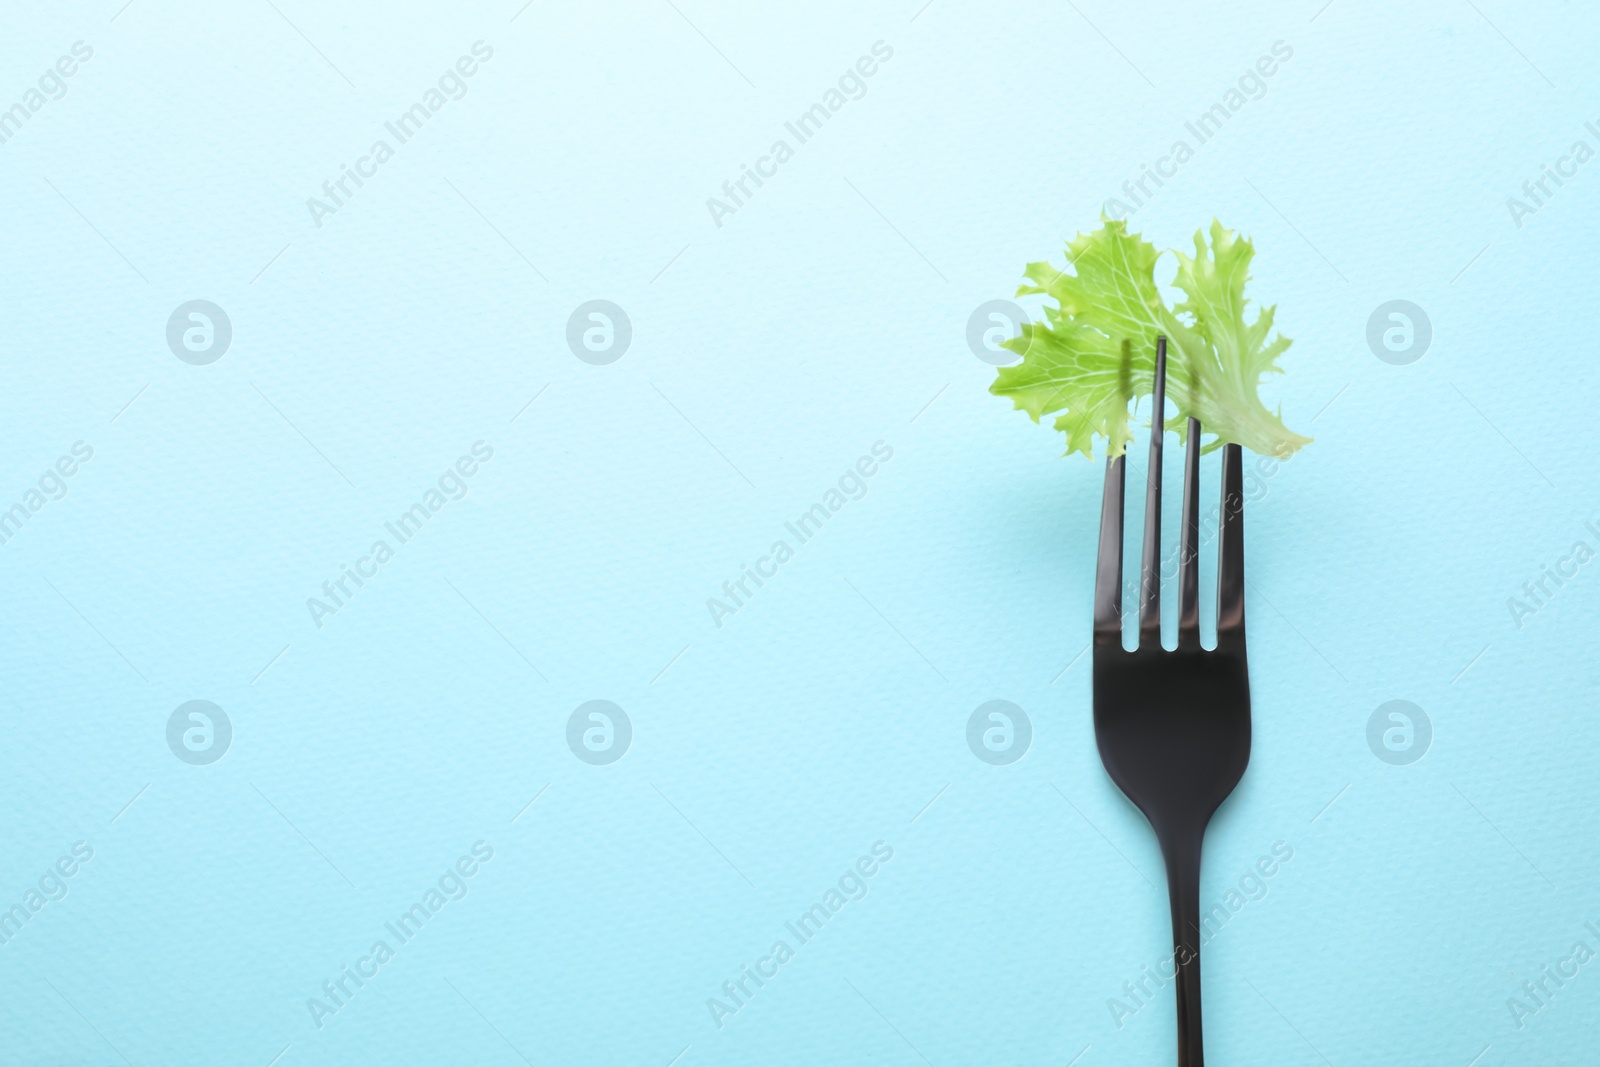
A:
{"x": 1173, "y": 727}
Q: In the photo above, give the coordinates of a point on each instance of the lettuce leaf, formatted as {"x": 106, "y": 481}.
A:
{"x": 1095, "y": 351}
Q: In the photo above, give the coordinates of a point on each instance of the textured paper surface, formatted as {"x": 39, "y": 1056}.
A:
{"x": 768, "y": 355}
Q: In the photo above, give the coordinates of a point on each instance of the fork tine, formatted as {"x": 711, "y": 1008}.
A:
{"x": 1230, "y": 552}
{"x": 1108, "y": 565}
{"x": 1189, "y": 545}
{"x": 1150, "y": 572}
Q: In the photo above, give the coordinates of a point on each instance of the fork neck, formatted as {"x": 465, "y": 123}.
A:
{"x": 1182, "y": 854}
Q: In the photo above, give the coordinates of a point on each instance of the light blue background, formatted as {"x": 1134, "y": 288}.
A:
{"x": 769, "y": 353}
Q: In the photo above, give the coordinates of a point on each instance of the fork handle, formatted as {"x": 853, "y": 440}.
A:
{"x": 1182, "y": 853}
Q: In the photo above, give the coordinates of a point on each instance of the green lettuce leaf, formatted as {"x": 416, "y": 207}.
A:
{"x": 1095, "y": 351}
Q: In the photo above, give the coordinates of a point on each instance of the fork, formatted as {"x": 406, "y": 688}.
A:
{"x": 1173, "y": 727}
